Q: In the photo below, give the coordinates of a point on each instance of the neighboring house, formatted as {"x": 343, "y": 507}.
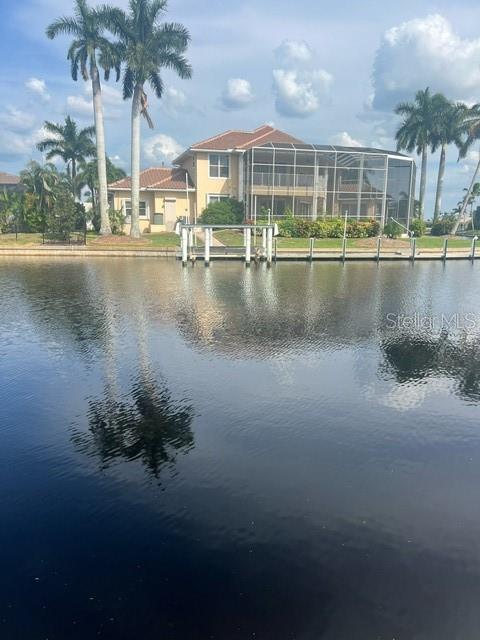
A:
{"x": 166, "y": 195}
{"x": 9, "y": 182}
{"x": 274, "y": 173}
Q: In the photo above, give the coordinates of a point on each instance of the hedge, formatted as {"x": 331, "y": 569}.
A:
{"x": 331, "y": 228}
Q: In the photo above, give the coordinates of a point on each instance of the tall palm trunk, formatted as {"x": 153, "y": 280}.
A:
{"x": 423, "y": 182}
{"x": 135, "y": 160}
{"x": 441, "y": 175}
{"x": 466, "y": 199}
{"x": 105, "y": 228}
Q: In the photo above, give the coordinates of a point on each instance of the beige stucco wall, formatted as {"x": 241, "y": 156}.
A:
{"x": 156, "y": 204}
{"x": 206, "y": 185}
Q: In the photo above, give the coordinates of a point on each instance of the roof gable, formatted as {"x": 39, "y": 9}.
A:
{"x": 242, "y": 140}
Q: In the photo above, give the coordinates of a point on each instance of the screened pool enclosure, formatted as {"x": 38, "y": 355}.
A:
{"x": 322, "y": 181}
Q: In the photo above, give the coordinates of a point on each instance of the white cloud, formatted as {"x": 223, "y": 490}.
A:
{"x": 110, "y": 95}
{"x": 16, "y": 145}
{"x": 344, "y": 139}
{"x": 237, "y": 94}
{"x": 162, "y": 147}
{"x": 118, "y": 161}
{"x": 292, "y": 52}
{"x": 425, "y": 52}
{"x": 83, "y": 107}
{"x": 79, "y": 106}
{"x": 16, "y": 120}
{"x": 38, "y": 87}
{"x": 300, "y": 93}
{"x": 174, "y": 101}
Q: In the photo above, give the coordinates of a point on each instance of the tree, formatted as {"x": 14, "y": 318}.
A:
{"x": 449, "y": 128}
{"x": 70, "y": 144}
{"x": 146, "y": 47}
{"x": 88, "y": 177}
{"x": 89, "y": 49}
{"x": 415, "y": 132}
{"x": 40, "y": 181}
{"x": 472, "y": 125}
{"x": 62, "y": 218}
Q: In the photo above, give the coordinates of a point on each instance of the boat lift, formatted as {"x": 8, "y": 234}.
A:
{"x": 187, "y": 233}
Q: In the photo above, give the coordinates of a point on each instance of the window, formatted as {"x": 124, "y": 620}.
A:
{"x": 142, "y": 209}
{"x": 219, "y": 164}
{"x": 216, "y": 197}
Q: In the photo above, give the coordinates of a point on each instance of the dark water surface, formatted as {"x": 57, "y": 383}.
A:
{"x": 235, "y": 454}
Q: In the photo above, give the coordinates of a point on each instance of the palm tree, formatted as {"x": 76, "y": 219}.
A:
{"x": 40, "y": 181}
{"x": 88, "y": 49}
{"x": 147, "y": 46}
{"x": 70, "y": 144}
{"x": 88, "y": 176}
{"x": 415, "y": 132}
{"x": 472, "y": 125}
{"x": 449, "y": 128}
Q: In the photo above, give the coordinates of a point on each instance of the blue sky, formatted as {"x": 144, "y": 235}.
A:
{"x": 327, "y": 72}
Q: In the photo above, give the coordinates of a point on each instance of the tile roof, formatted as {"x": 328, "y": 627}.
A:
{"x": 244, "y": 139}
{"x": 8, "y": 178}
{"x": 157, "y": 178}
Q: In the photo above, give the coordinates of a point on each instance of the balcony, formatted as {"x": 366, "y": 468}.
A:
{"x": 284, "y": 183}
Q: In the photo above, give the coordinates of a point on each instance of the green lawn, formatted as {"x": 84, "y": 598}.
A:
{"x": 229, "y": 237}
{"x": 167, "y": 239}
{"x": 22, "y": 240}
{"x": 433, "y": 242}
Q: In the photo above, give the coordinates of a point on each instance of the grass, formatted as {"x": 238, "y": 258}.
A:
{"x": 232, "y": 238}
{"x": 24, "y": 239}
{"x": 229, "y": 237}
{"x": 433, "y": 242}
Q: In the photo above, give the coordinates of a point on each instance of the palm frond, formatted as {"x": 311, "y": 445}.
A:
{"x": 63, "y": 26}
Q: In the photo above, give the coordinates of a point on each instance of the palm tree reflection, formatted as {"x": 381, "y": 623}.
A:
{"x": 150, "y": 427}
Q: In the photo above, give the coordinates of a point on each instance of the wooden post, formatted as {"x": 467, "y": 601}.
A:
{"x": 208, "y": 231}
{"x": 445, "y": 247}
{"x": 344, "y": 249}
{"x": 264, "y": 238}
{"x": 312, "y": 240}
{"x": 414, "y": 249}
{"x": 379, "y": 247}
{"x": 474, "y": 246}
{"x": 184, "y": 246}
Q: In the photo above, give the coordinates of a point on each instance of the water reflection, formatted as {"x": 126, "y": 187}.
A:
{"x": 148, "y": 426}
{"x": 415, "y": 357}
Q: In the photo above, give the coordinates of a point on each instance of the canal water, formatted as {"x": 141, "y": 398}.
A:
{"x": 231, "y": 453}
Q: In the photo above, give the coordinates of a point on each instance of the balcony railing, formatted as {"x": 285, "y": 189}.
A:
{"x": 261, "y": 179}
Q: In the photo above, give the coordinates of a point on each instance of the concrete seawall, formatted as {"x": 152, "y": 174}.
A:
{"x": 282, "y": 254}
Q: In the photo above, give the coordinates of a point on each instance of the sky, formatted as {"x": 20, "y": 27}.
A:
{"x": 326, "y": 72}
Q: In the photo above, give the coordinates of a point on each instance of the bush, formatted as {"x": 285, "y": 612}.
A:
{"x": 117, "y": 220}
{"x": 63, "y": 218}
{"x": 292, "y": 227}
{"x": 443, "y": 226}
{"x": 228, "y": 211}
{"x": 418, "y": 227}
{"x": 392, "y": 229}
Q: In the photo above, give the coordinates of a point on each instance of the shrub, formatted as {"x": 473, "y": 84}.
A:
{"x": 63, "y": 217}
{"x": 418, "y": 227}
{"x": 228, "y": 211}
{"x": 117, "y": 220}
{"x": 292, "y": 227}
{"x": 444, "y": 225}
{"x": 392, "y": 229}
